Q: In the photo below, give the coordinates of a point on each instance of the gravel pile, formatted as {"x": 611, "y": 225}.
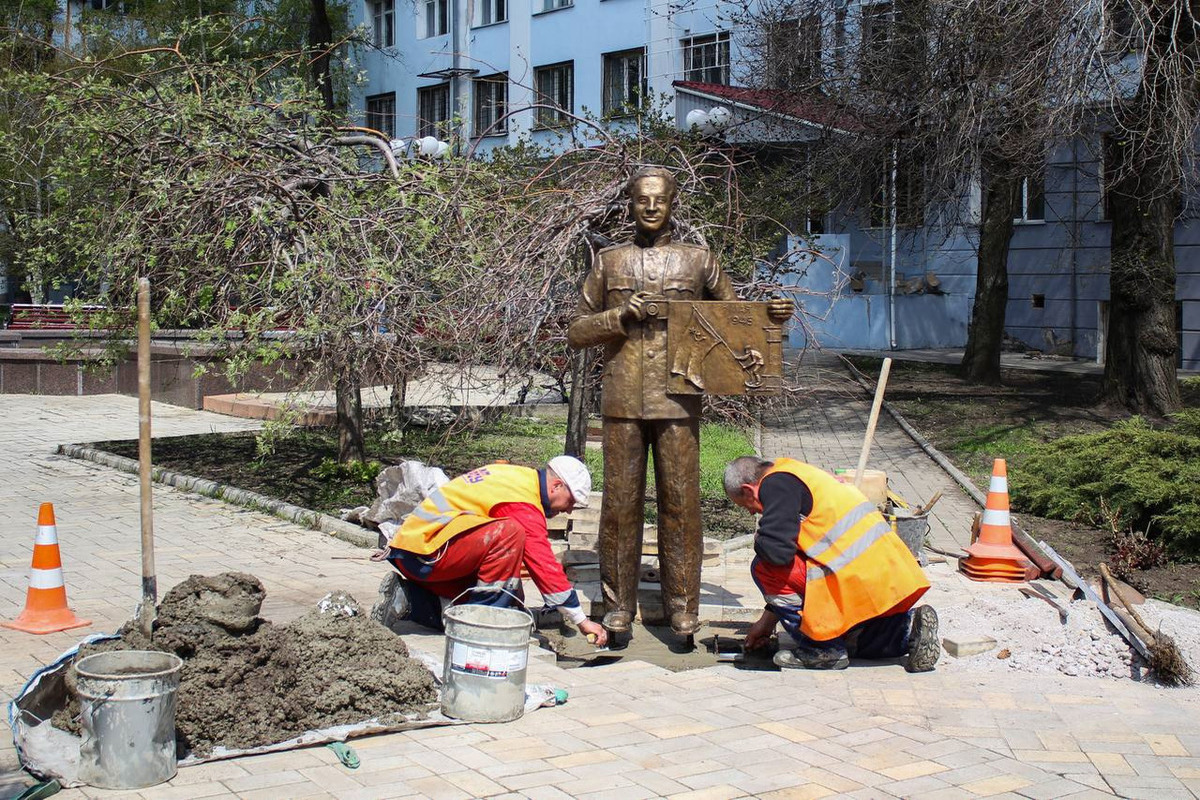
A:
{"x": 1031, "y": 637}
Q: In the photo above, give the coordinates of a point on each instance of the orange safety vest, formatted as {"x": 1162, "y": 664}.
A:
{"x": 465, "y": 503}
{"x": 858, "y": 568}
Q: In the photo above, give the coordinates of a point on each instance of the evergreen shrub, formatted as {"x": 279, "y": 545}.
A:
{"x": 1150, "y": 474}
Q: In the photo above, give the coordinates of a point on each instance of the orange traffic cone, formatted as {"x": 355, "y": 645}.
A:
{"x": 994, "y": 557}
{"x": 46, "y": 608}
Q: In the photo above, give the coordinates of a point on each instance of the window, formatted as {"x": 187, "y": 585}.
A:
{"x": 433, "y": 111}
{"x": 554, "y": 5}
{"x": 1119, "y": 26}
{"x": 555, "y": 86}
{"x": 706, "y": 58}
{"x": 381, "y": 113}
{"x": 893, "y": 46}
{"x": 492, "y": 11}
{"x": 624, "y": 81}
{"x": 1108, "y": 168}
{"x": 437, "y": 18}
{"x": 1032, "y": 206}
{"x": 383, "y": 23}
{"x": 491, "y": 104}
{"x": 794, "y": 53}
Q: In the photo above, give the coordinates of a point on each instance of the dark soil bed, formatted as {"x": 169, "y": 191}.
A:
{"x": 297, "y": 469}
{"x": 972, "y": 425}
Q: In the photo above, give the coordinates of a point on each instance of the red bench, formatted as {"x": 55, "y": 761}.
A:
{"x": 32, "y": 316}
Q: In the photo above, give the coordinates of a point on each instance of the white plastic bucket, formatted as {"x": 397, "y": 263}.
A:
{"x": 127, "y": 708}
{"x": 487, "y": 652}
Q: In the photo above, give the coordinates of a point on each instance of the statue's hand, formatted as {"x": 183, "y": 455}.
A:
{"x": 634, "y": 309}
{"x": 780, "y": 309}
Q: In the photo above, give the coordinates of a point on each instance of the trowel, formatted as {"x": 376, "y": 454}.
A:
{"x": 730, "y": 651}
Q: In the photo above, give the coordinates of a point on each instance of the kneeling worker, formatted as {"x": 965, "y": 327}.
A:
{"x": 831, "y": 569}
{"x": 472, "y": 535}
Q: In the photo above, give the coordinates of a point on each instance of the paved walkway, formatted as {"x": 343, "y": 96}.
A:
{"x": 630, "y": 730}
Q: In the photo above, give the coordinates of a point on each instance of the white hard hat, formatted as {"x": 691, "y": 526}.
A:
{"x": 575, "y": 474}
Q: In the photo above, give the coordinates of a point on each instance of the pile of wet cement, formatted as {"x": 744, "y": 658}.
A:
{"x": 247, "y": 683}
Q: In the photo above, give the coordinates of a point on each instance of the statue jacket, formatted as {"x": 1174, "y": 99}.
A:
{"x": 635, "y": 353}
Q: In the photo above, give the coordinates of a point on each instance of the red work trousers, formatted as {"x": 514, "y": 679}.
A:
{"x": 486, "y": 559}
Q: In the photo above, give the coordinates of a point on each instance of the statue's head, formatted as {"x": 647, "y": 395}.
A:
{"x": 651, "y": 191}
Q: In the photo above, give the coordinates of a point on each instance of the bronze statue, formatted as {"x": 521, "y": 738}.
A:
{"x": 621, "y": 306}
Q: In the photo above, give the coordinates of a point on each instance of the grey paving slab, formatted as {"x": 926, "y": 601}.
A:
{"x": 630, "y": 730}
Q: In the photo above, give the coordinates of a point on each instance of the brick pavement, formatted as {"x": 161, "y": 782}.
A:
{"x": 631, "y": 729}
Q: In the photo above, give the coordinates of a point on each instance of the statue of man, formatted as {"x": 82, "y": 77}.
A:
{"x": 618, "y": 309}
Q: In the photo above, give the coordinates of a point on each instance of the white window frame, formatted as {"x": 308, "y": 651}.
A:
{"x": 435, "y": 18}
{"x": 438, "y": 123}
{"x": 711, "y": 50}
{"x": 491, "y": 12}
{"x": 383, "y": 23}
{"x": 1028, "y": 192}
{"x": 625, "y": 85}
{"x": 793, "y": 47}
{"x": 552, "y": 88}
{"x": 489, "y": 110}
{"x": 555, "y": 5}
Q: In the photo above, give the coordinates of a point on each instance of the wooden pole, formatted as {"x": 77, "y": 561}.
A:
{"x": 872, "y": 421}
{"x": 147, "y": 609}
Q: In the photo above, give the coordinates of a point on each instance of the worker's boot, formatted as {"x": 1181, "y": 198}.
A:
{"x": 394, "y": 605}
{"x": 923, "y": 645}
{"x": 813, "y": 656}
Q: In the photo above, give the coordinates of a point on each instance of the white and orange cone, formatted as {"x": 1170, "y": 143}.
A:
{"x": 994, "y": 557}
{"x": 46, "y": 609}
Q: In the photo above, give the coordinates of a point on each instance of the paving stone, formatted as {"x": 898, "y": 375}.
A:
{"x": 964, "y": 646}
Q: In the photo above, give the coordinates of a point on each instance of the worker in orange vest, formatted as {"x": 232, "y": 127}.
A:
{"x": 831, "y": 569}
{"x": 470, "y": 537}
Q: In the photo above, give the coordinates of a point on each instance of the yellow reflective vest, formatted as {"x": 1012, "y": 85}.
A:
{"x": 465, "y": 503}
{"x": 858, "y": 568}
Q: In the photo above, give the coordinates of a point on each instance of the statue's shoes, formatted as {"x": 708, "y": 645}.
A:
{"x": 618, "y": 622}
{"x": 684, "y": 623}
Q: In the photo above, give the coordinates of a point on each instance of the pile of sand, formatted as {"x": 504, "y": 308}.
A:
{"x": 247, "y": 683}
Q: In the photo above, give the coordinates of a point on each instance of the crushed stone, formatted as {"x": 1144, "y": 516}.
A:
{"x": 1037, "y": 641}
{"x": 247, "y": 683}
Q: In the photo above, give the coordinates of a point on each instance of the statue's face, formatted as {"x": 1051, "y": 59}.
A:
{"x": 650, "y": 204}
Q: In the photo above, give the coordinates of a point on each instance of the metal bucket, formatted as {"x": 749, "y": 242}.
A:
{"x": 911, "y": 530}
{"x": 127, "y": 707}
{"x": 487, "y": 651}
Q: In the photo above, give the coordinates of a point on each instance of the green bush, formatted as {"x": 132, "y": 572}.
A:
{"x": 356, "y": 471}
{"x": 1151, "y": 475}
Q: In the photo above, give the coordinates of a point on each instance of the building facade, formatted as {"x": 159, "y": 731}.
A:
{"x": 455, "y": 69}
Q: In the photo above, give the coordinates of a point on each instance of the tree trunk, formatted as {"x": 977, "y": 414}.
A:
{"x": 1141, "y": 350}
{"x": 578, "y": 405}
{"x": 580, "y": 401}
{"x": 981, "y": 360}
{"x": 396, "y": 402}
{"x": 320, "y": 37}
{"x": 349, "y": 420}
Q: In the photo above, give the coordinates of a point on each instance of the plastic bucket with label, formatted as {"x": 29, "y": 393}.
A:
{"x": 487, "y": 652}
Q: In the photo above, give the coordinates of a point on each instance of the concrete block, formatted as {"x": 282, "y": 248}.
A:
{"x": 963, "y": 646}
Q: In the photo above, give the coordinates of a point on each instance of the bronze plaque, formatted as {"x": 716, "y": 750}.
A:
{"x": 723, "y": 347}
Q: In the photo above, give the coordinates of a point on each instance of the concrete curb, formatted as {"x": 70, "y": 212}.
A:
{"x": 307, "y": 518}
